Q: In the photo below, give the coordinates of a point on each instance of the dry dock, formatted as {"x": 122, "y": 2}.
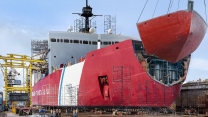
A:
{"x": 89, "y": 114}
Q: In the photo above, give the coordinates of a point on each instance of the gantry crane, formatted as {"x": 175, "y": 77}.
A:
{"x": 19, "y": 61}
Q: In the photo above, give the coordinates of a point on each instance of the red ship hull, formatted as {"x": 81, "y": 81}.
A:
{"x": 144, "y": 91}
{"x": 127, "y": 83}
{"x": 173, "y": 36}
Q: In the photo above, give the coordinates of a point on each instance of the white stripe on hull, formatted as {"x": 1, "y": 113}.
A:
{"x": 69, "y": 84}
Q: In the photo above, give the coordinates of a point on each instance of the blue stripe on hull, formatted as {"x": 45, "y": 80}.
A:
{"x": 60, "y": 89}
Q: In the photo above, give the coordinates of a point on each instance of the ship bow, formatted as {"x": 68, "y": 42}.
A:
{"x": 173, "y": 36}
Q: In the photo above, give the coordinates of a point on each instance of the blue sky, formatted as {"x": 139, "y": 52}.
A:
{"x": 23, "y": 20}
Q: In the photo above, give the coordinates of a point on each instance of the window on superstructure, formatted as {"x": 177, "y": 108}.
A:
{"x": 85, "y": 42}
{"x": 76, "y": 41}
{"x": 116, "y": 42}
{"x": 66, "y": 41}
{"x": 61, "y": 40}
{"x": 57, "y": 40}
{"x": 94, "y": 42}
{"x": 109, "y": 42}
{"x": 71, "y": 41}
{"x": 89, "y": 42}
{"x": 80, "y": 41}
{"x": 112, "y": 42}
{"x": 105, "y": 43}
{"x": 53, "y": 40}
{"x": 101, "y": 43}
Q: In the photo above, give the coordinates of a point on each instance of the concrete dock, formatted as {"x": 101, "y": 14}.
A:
{"x": 89, "y": 114}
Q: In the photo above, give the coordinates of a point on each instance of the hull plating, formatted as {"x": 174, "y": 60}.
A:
{"x": 140, "y": 89}
{"x": 45, "y": 92}
{"x": 111, "y": 76}
{"x": 173, "y": 36}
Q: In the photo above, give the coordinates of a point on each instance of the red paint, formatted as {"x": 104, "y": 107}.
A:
{"x": 101, "y": 62}
{"x": 173, "y": 36}
{"x": 94, "y": 91}
{"x": 50, "y": 83}
{"x": 106, "y": 92}
{"x": 61, "y": 65}
{"x": 81, "y": 59}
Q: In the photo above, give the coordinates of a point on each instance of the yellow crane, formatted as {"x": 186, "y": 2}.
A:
{"x": 19, "y": 61}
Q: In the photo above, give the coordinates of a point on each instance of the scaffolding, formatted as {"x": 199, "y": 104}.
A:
{"x": 53, "y": 94}
{"x": 67, "y": 90}
{"x": 109, "y": 23}
{"x": 39, "y": 48}
{"x": 70, "y": 95}
{"x": 79, "y": 24}
{"x": 45, "y": 98}
{"x": 18, "y": 61}
{"x": 153, "y": 97}
{"x": 81, "y": 97}
{"x": 122, "y": 86}
{"x": 94, "y": 25}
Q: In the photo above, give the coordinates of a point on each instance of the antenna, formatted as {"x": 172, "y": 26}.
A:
{"x": 86, "y": 3}
{"x": 86, "y": 13}
{"x": 190, "y": 5}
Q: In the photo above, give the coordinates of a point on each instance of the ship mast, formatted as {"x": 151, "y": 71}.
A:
{"x": 86, "y": 13}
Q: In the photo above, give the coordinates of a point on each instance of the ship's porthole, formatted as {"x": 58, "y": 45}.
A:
{"x": 168, "y": 15}
{"x": 117, "y": 48}
{"x": 54, "y": 56}
{"x": 92, "y": 55}
{"x": 72, "y": 57}
{"x": 145, "y": 23}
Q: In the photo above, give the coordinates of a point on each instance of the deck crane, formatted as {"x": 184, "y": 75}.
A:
{"x": 19, "y": 61}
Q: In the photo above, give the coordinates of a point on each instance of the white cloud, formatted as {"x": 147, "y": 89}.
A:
{"x": 23, "y": 31}
{"x": 16, "y": 39}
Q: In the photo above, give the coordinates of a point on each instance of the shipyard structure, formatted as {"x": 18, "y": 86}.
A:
{"x": 79, "y": 68}
{"x": 193, "y": 97}
{"x": 85, "y": 69}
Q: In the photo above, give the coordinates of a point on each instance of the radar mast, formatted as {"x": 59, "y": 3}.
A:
{"x": 86, "y": 13}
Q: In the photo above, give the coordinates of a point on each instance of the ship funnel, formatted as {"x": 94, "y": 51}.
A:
{"x": 190, "y": 5}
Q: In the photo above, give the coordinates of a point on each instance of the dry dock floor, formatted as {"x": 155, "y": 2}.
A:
{"x": 88, "y": 114}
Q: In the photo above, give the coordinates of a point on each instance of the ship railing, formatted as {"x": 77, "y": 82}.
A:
{"x": 76, "y": 60}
